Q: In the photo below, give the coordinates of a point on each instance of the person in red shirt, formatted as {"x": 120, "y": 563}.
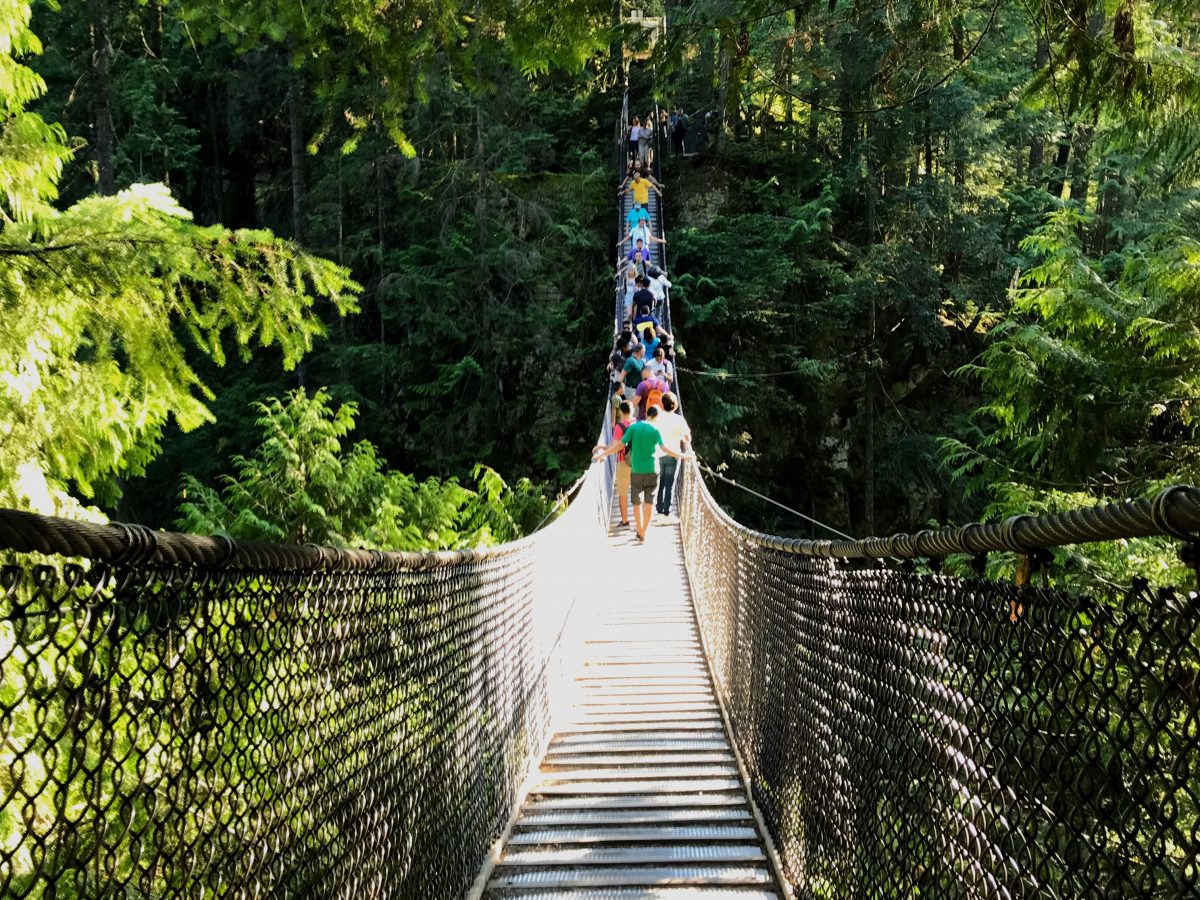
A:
{"x": 624, "y": 473}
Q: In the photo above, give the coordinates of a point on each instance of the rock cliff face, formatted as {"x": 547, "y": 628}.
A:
{"x": 701, "y": 202}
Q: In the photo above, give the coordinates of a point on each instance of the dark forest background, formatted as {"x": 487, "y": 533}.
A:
{"x": 936, "y": 261}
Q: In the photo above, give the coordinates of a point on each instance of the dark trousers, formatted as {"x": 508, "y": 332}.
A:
{"x": 667, "y": 466}
{"x": 677, "y": 137}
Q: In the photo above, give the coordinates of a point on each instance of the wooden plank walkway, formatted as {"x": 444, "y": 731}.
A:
{"x": 639, "y": 795}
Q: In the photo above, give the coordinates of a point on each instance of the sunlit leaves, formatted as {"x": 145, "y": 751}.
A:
{"x": 305, "y": 482}
{"x": 94, "y": 299}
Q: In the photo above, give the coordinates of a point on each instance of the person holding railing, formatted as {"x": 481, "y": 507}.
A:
{"x": 640, "y": 238}
{"x": 643, "y": 172}
{"x": 624, "y": 419}
{"x": 635, "y": 133}
{"x": 636, "y": 216}
{"x": 641, "y": 439}
{"x": 640, "y": 186}
{"x": 639, "y": 247}
{"x": 628, "y": 274}
{"x": 676, "y": 433}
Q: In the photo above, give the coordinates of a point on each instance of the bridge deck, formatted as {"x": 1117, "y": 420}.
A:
{"x": 639, "y": 794}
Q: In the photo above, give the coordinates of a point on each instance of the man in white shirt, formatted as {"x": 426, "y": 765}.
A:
{"x": 675, "y": 433}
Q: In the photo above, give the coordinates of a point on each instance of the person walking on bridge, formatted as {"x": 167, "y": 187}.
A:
{"x": 641, "y": 440}
{"x": 631, "y": 372}
{"x": 641, "y": 188}
{"x": 624, "y": 473}
{"x": 675, "y": 433}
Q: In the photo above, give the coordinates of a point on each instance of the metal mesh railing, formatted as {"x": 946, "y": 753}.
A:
{"x": 919, "y": 735}
{"x": 194, "y": 717}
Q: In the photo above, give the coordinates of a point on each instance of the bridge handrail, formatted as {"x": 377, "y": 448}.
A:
{"x": 1172, "y": 512}
{"x": 186, "y": 714}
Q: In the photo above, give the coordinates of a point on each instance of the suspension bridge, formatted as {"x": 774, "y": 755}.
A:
{"x": 719, "y": 713}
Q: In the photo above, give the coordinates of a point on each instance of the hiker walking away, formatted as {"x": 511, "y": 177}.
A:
{"x": 676, "y": 433}
{"x": 712, "y": 127}
{"x": 679, "y": 130}
{"x": 624, "y": 473}
{"x": 631, "y": 372}
{"x": 650, "y": 392}
{"x": 641, "y": 439}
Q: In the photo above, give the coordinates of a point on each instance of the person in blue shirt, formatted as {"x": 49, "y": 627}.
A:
{"x": 636, "y": 216}
{"x": 645, "y": 318}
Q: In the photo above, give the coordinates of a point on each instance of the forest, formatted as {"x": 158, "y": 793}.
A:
{"x": 342, "y": 272}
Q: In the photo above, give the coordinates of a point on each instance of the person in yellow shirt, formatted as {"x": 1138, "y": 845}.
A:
{"x": 641, "y": 188}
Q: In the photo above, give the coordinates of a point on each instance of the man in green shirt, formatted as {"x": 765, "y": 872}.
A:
{"x": 631, "y": 373}
{"x": 641, "y": 439}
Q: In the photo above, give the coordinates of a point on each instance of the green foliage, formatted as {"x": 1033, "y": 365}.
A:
{"x": 1125, "y": 348}
{"x": 366, "y": 66}
{"x": 303, "y": 485}
{"x": 96, "y": 297}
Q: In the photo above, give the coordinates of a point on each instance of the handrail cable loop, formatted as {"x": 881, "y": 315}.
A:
{"x": 140, "y": 545}
{"x": 1162, "y": 516}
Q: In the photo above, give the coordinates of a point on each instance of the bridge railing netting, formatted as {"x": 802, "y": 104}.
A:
{"x": 920, "y": 735}
{"x": 188, "y": 717}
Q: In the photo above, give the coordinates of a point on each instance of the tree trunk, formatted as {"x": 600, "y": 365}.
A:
{"x": 1080, "y": 172}
{"x": 1037, "y": 146}
{"x": 102, "y": 123}
{"x": 1058, "y": 175}
{"x": 480, "y": 148}
{"x": 296, "y": 136}
{"x": 958, "y": 46}
{"x": 846, "y": 95}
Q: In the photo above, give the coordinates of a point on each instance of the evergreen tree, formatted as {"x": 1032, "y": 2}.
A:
{"x": 97, "y": 296}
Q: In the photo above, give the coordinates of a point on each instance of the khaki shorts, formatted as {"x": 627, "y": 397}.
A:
{"x": 623, "y": 475}
{"x": 645, "y": 487}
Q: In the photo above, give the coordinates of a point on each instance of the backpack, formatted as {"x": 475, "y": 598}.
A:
{"x": 653, "y": 398}
{"x": 618, "y": 433}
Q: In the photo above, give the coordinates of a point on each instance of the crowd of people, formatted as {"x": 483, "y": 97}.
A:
{"x": 672, "y": 126}
{"x": 650, "y": 435}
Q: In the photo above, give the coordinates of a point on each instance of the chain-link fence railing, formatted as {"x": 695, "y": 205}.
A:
{"x": 920, "y": 735}
{"x": 194, "y": 717}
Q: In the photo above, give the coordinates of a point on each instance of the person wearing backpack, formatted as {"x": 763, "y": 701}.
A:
{"x": 641, "y": 439}
{"x": 649, "y": 393}
{"x": 679, "y": 130}
{"x": 624, "y": 420}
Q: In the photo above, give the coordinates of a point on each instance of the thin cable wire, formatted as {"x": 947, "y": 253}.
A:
{"x": 705, "y": 468}
{"x": 724, "y": 375}
{"x": 561, "y": 498}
